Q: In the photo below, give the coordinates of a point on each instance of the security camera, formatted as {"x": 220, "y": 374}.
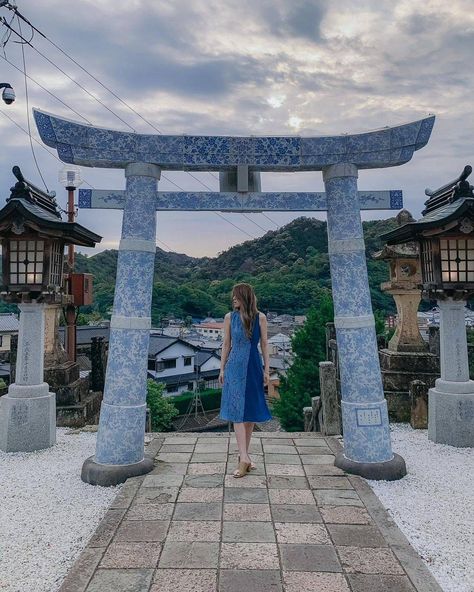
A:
{"x": 8, "y": 94}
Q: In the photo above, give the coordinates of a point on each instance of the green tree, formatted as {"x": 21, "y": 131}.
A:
{"x": 302, "y": 380}
{"x": 162, "y": 410}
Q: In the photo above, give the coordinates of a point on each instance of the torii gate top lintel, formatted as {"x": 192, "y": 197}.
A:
{"x": 86, "y": 145}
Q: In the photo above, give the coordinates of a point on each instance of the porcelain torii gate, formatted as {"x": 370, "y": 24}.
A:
{"x": 120, "y": 442}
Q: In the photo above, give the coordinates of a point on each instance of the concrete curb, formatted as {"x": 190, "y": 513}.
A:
{"x": 420, "y": 576}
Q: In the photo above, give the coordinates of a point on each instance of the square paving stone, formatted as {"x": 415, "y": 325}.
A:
{"x": 174, "y": 457}
{"x": 245, "y": 495}
{"x": 337, "y": 497}
{"x": 204, "y": 480}
{"x": 286, "y": 469}
{"x": 274, "y": 441}
{"x": 218, "y": 446}
{"x": 318, "y": 459}
{"x": 369, "y": 561}
{"x": 282, "y": 459}
{"x": 258, "y": 472}
{"x": 82, "y": 570}
{"x": 250, "y": 480}
{"x": 198, "y": 511}
{"x": 156, "y": 495}
{"x": 189, "y": 553}
{"x": 121, "y": 580}
{"x": 160, "y": 480}
{"x": 279, "y": 449}
{"x": 185, "y": 580}
{"x": 314, "y": 441}
{"x": 168, "y": 469}
{"x": 345, "y": 515}
{"x": 309, "y": 558}
{"x": 194, "y": 530}
{"x": 297, "y": 581}
{"x": 236, "y": 580}
{"x": 291, "y": 496}
{"x": 287, "y": 482}
{"x": 212, "y": 457}
{"x": 130, "y": 555}
{"x": 176, "y": 448}
{"x": 150, "y": 512}
{"x": 255, "y": 447}
{"x": 355, "y": 535}
{"x": 311, "y": 534}
{"x": 246, "y": 512}
{"x": 142, "y": 531}
{"x": 200, "y": 494}
{"x": 249, "y": 556}
{"x": 379, "y": 583}
{"x": 295, "y": 513}
{"x": 206, "y": 468}
{"x": 248, "y": 532}
{"x": 329, "y": 470}
{"x": 180, "y": 439}
{"x": 320, "y": 482}
{"x": 313, "y": 450}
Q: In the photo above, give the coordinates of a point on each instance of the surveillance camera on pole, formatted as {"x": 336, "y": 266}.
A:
{"x": 8, "y": 94}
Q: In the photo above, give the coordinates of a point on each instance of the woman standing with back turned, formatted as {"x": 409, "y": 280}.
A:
{"x": 242, "y": 375}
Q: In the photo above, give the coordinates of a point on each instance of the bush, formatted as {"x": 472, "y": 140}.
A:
{"x": 162, "y": 410}
{"x": 211, "y": 399}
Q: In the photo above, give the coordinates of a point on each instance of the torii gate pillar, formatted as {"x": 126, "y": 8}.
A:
{"x": 367, "y": 448}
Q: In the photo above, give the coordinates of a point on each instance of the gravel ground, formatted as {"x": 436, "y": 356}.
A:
{"x": 47, "y": 514}
{"x": 433, "y": 505}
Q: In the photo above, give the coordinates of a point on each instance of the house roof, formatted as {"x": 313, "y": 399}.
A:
{"x": 9, "y": 322}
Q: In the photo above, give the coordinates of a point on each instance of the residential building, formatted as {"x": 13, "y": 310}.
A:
{"x": 9, "y": 326}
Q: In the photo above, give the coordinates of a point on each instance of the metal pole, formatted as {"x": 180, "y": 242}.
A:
{"x": 70, "y": 308}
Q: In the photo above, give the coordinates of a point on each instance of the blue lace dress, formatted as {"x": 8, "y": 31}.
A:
{"x": 243, "y": 397}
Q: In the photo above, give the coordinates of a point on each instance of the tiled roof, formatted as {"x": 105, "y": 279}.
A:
{"x": 9, "y": 323}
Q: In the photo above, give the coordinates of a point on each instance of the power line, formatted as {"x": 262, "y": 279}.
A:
{"x": 28, "y": 112}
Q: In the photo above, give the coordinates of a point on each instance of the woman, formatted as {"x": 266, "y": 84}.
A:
{"x": 242, "y": 376}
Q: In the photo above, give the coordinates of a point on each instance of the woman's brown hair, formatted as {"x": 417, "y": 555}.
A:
{"x": 248, "y": 305}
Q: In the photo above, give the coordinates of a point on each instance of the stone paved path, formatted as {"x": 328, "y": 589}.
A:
{"x": 295, "y": 524}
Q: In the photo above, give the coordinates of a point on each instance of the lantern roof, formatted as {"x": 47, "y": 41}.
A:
{"x": 29, "y": 204}
{"x": 445, "y": 205}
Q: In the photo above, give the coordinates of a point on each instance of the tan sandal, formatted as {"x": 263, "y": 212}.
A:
{"x": 242, "y": 470}
{"x": 252, "y": 466}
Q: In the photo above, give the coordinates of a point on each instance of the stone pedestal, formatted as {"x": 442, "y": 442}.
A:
{"x": 28, "y": 411}
{"x": 399, "y": 369}
{"x": 451, "y": 401}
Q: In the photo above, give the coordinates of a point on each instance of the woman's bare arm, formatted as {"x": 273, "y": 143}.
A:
{"x": 226, "y": 343}
{"x": 264, "y": 346}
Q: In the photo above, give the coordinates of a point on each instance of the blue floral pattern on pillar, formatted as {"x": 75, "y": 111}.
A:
{"x": 365, "y": 418}
{"x": 121, "y": 435}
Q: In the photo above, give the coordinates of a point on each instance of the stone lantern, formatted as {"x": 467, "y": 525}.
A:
{"x": 445, "y": 235}
{"x": 33, "y": 236}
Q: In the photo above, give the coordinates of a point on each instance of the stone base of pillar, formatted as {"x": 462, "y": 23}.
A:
{"x": 96, "y": 473}
{"x": 451, "y": 415}
{"x": 27, "y": 423}
{"x": 390, "y": 470}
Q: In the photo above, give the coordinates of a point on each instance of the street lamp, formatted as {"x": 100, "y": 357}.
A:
{"x": 445, "y": 234}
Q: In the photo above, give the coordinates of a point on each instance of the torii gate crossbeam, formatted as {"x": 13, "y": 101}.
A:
{"x": 120, "y": 442}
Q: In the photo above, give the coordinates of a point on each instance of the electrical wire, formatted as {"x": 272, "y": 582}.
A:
{"x": 28, "y": 113}
{"x": 45, "y": 89}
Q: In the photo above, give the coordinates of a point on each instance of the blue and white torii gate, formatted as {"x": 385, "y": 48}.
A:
{"x": 120, "y": 442}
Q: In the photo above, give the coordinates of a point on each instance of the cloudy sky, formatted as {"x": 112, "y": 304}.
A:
{"x": 241, "y": 67}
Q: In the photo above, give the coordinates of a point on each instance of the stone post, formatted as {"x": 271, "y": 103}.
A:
{"x": 419, "y": 405}
{"x": 54, "y": 353}
{"x": 28, "y": 411}
{"x": 451, "y": 401}
{"x": 331, "y": 424}
{"x": 367, "y": 446}
{"x": 121, "y": 435}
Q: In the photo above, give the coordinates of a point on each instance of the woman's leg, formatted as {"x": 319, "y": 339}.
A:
{"x": 241, "y": 437}
{"x": 249, "y": 425}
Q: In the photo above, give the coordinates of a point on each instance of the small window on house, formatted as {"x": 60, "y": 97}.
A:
{"x": 167, "y": 364}
{"x": 188, "y": 360}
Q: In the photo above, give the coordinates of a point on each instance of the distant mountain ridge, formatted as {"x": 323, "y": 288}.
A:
{"x": 288, "y": 268}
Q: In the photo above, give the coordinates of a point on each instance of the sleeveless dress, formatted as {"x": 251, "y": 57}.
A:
{"x": 243, "y": 397}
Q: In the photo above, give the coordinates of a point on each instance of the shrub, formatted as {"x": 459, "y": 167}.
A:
{"x": 211, "y": 399}
{"x": 162, "y": 410}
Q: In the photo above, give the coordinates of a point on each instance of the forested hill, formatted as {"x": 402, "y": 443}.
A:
{"x": 288, "y": 268}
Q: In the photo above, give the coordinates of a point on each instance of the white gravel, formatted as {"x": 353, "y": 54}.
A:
{"x": 434, "y": 505}
{"x": 47, "y": 514}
